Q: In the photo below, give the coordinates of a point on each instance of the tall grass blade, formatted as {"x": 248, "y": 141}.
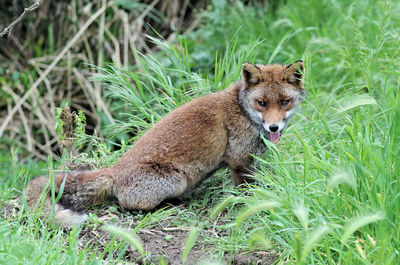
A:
{"x": 61, "y": 189}
{"x": 278, "y": 47}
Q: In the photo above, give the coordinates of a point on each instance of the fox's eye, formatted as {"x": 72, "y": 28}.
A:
{"x": 285, "y": 102}
{"x": 262, "y": 103}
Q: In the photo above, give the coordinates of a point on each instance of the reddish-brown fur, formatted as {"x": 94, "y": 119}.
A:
{"x": 185, "y": 147}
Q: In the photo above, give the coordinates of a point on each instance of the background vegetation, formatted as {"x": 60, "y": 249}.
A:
{"x": 327, "y": 194}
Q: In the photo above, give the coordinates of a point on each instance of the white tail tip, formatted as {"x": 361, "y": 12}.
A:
{"x": 68, "y": 218}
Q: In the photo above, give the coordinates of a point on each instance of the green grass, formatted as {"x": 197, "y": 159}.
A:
{"x": 327, "y": 194}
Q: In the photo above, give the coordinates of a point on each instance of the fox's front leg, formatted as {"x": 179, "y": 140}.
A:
{"x": 241, "y": 176}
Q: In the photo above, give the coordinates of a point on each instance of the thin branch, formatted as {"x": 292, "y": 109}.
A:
{"x": 8, "y": 29}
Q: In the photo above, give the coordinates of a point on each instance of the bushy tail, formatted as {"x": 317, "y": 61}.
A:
{"x": 78, "y": 190}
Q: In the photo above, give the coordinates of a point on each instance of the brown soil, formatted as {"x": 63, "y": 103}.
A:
{"x": 163, "y": 241}
{"x": 9, "y": 208}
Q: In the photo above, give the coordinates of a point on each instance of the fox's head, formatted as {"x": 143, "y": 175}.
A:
{"x": 271, "y": 95}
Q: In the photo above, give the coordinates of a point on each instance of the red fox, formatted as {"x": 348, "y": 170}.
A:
{"x": 186, "y": 146}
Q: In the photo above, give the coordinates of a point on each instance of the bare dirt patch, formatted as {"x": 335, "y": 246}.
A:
{"x": 163, "y": 241}
{"x": 159, "y": 243}
{"x": 261, "y": 257}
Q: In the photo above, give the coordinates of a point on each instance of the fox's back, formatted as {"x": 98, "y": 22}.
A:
{"x": 193, "y": 137}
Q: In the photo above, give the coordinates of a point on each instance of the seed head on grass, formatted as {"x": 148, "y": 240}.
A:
{"x": 126, "y": 235}
{"x": 189, "y": 244}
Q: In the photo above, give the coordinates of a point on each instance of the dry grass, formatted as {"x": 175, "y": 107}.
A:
{"x": 46, "y": 60}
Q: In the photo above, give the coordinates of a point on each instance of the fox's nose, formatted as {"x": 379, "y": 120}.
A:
{"x": 274, "y": 128}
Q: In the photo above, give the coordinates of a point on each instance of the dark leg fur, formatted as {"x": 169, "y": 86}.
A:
{"x": 241, "y": 176}
{"x": 148, "y": 187}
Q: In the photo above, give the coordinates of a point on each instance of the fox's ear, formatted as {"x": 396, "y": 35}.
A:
{"x": 294, "y": 73}
{"x": 251, "y": 74}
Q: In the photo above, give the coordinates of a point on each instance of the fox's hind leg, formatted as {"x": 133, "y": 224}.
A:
{"x": 146, "y": 189}
{"x": 241, "y": 176}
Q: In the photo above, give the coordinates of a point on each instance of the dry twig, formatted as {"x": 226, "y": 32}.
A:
{"x": 8, "y": 29}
